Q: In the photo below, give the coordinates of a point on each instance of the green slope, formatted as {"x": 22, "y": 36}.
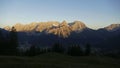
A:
{"x": 54, "y": 60}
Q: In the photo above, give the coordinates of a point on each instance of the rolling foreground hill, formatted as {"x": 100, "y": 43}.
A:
{"x": 54, "y": 60}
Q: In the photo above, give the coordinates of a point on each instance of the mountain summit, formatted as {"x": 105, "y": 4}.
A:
{"x": 63, "y": 29}
{"x": 77, "y": 25}
{"x": 112, "y": 27}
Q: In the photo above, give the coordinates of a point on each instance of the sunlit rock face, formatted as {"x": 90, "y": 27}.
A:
{"x": 7, "y": 28}
{"x": 62, "y": 29}
{"x": 42, "y": 26}
{"x": 112, "y": 27}
{"x": 78, "y": 26}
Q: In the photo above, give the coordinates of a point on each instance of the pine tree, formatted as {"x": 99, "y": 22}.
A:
{"x": 88, "y": 49}
{"x": 57, "y": 48}
{"x": 13, "y": 41}
{"x": 4, "y": 44}
{"x": 75, "y": 50}
{"x": 32, "y": 51}
{"x": 1, "y": 43}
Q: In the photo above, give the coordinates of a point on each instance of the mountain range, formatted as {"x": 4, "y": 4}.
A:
{"x": 61, "y": 29}
{"x": 45, "y": 34}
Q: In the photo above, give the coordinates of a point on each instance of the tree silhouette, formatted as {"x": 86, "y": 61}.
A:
{"x": 31, "y": 51}
{"x": 88, "y": 49}
{"x": 75, "y": 50}
{"x": 57, "y": 48}
{"x": 1, "y": 43}
{"x": 34, "y": 50}
{"x": 13, "y": 41}
{"x": 4, "y": 44}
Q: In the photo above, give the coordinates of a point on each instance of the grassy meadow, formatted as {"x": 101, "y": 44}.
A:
{"x": 55, "y": 60}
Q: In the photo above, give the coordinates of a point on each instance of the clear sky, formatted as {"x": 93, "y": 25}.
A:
{"x": 94, "y": 13}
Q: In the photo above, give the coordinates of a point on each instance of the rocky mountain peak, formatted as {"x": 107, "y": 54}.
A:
{"x": 64, "y": 23}
{"x": 78, "y": 25}
{"x": 7, "y": 28}
{"x": 62, "y": 29}
{"x": 112, "y": 27}
{"x": 19, "y": 27}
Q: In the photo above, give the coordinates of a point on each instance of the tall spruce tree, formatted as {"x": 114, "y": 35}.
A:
{"x": 4, "y": 44}
{"x": 75, "y": 50}
{"x": 58, "y": 48}
{"x": 13, "y": 41}
{"x": 1, "y": 43}
{"x": 88, "y": 49}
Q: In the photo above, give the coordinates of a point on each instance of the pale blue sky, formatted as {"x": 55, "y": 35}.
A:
{"x": 94, "y": 13}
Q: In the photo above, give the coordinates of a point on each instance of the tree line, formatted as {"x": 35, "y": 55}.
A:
{"x": 74, "y": 50}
